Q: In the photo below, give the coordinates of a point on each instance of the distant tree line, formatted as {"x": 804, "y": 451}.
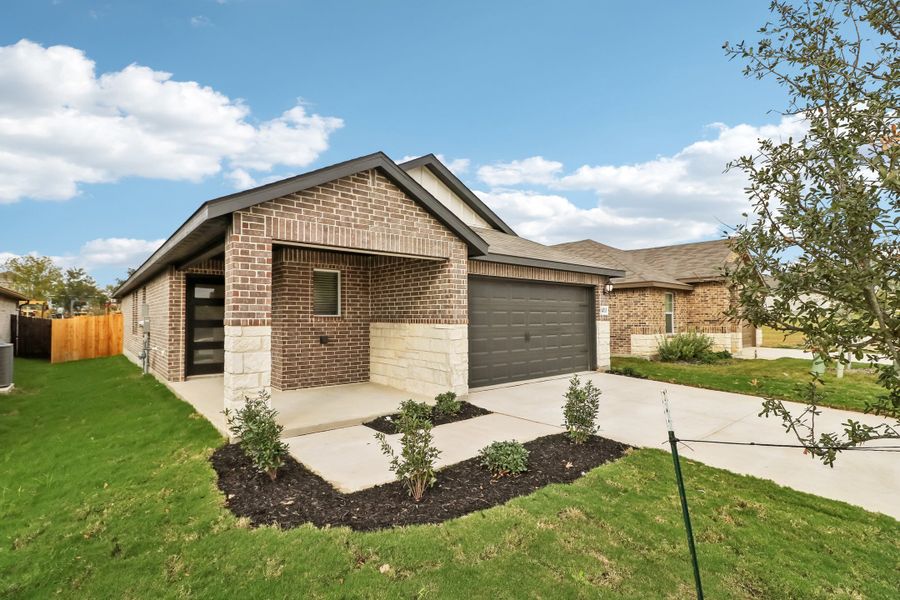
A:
{"x": 66, "y": 291}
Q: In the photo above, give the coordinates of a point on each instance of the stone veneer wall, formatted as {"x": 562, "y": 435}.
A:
{"x": 420, "y": 358}
{"x": 491, "y": 269}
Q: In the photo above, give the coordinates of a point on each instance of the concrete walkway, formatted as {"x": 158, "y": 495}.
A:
{"x": 631, "y": 412}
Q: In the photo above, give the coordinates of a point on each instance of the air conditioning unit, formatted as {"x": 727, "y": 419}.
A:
{"x": 6, "y": 367}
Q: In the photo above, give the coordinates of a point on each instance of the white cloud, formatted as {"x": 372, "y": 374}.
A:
{"x": 62, "y": 125}
{"x": 535, "y": 170}
{"x": 670, "y": 199}
{"x": 200, "y": 21}
{"x": 551, "y": 219}
{"x": 101, "y": 252}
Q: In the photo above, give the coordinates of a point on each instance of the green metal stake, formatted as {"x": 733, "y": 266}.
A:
{"x": 673, "y": 443}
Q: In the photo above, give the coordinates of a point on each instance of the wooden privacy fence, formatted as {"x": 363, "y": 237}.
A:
{"x": 86, "y": 337}
{"x": 31, "y": 336}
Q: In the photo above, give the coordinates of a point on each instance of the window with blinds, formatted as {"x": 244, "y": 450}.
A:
{"x": 326, "y": 293}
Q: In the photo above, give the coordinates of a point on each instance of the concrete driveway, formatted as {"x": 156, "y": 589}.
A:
{"x": 631, "y": 412}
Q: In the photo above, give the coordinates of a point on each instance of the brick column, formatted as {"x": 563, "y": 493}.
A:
{"x": 248, "y": 309}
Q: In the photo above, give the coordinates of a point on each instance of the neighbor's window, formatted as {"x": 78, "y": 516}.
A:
{"x": 670, "y": 312}
{"x": 326, "y": 293}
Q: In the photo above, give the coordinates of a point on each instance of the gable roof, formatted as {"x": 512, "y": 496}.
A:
{"x": 203, "y": 229}
{"x": 12, "y": 294}
{"x": 446, "y": 176}
{"x": 512, "y": 249}
{"x": 637, "y": 273}
{"x": 692, "y": 262}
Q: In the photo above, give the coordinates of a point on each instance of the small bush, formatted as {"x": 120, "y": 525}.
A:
{"x": 415, "y": 464}
{"x": 410, "y": 409}
{"x": 685, "y": 347}
{"x": 259, "y": 433}
{"x": 447, "y": 405}
{"x": 504, "y": 458}
{"x": 580, "y": 410}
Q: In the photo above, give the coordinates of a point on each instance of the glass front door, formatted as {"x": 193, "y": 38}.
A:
{"x": 205, "y": 347}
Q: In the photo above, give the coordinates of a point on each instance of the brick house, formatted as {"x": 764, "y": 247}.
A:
{"x": 365, "y": 270}
{"x": 666, "y": 290}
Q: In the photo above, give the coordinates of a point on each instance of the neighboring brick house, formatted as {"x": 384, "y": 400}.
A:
{"x": 363, "y": 271}
{"x": 667, "y": 290}
{"x": 9, "y": 306}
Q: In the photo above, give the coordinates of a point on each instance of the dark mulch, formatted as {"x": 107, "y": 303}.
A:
{"x": 299, "y": 496}
{"x": 388, "y": 424}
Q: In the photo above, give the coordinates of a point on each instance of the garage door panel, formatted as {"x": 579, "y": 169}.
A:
{"x": 523, "y": 330}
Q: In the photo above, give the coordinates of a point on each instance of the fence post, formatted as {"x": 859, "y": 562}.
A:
{"x": 673, "y": 444}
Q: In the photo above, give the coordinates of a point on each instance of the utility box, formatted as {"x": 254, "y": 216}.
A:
{"x": 6, "y": 367}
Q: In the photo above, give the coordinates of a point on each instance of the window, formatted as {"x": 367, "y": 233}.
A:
{"x": 134, "y": 313}
{"x": 326, "y": 293}
{"x": 670, "y": 312}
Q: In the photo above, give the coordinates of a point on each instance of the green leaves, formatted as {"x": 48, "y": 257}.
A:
{"x": 580, "y": 410}
{"x": 504, "y": 458}
{"x": 415, "y": 464}
{"x": 259, "y": 434}
{"x": 821, "y": 247}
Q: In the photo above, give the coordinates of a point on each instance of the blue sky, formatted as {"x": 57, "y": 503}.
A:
{"x": 610, "y": 120}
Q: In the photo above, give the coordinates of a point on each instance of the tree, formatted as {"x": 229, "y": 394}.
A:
{"x": 76, "y": 290}
{"x": 34, "y": 276}
{"x": 822, "y": 242}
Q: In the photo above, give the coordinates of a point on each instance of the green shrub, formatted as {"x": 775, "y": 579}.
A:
{"x": 411, "y": 409}
{"x": 259, "y": 434}
{"x": 415, "y": 464}
{"x": 685, "y": 347}
{"x": 504, "y": 458}
{"x": 580, "y": 410}
{"x": 447, "y": 405}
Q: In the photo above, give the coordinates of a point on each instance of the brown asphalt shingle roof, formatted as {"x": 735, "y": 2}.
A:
{"x": 697, "y": 260}
{"x": 513, "y": 245}
{"x": 664, "y": 266}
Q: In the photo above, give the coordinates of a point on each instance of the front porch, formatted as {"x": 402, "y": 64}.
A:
{"x": 308, "y": 410}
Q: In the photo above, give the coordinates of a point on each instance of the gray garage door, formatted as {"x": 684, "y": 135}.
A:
{"x": 523, "y": 330}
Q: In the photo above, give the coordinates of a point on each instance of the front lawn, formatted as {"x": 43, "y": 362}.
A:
{"x": 107, "y": 492}
{"x": 766, "y": 378}
{"x": 772, "y": 338}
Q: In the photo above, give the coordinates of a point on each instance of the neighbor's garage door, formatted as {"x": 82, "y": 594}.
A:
{"x": 523, "y": 330}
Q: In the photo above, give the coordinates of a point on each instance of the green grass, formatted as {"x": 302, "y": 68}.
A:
{"x": 772, "y": 338}
{"x": 107, "y": 493}
{"x": 782, "y": 378}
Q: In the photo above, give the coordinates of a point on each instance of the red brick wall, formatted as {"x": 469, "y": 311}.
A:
{"x": 641, "y": 311}
{"x": 420, "y": 291}
{"x": 299, "y": 360}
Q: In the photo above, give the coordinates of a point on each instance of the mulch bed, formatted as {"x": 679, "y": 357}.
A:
{"x": 388, "y": 424}
{"x": 299, "y": 496}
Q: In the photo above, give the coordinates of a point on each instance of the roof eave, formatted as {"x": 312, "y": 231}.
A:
{"x": 617, "y": 285}
{"x": 549, "y": 264}
{"x": 226, "y": 205}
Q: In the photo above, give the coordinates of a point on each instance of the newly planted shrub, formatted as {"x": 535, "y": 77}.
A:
{"x": 447, "y": 405}
{"x": 259, "y": 434}
{"x": 504, "y": 458}
{"x": 580, "y": 410}
{"x": 410, "y": 409}
{"x": 415, "y": 464}
{"x": 686, "y": 347}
